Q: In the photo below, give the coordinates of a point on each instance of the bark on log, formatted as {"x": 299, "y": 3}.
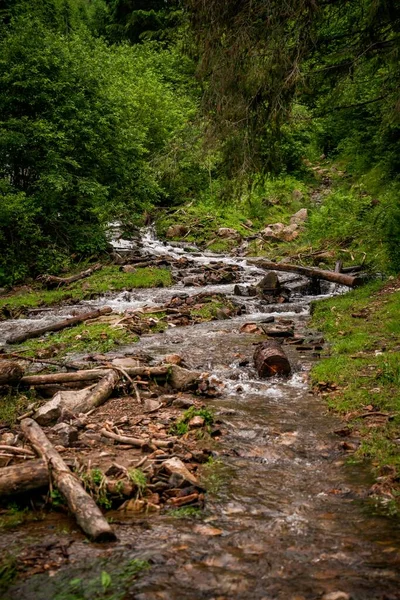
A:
{"x": 99, "y": 394}
{"x": 92, "y": 375}
{"x": 52, "y": 281}
{"x": 85, "y": 510}
{"x": 17, "y": 339}
{"x": 24, "y": 477}
{"x": 10, "y": 372}
{"x": 339, "y": 278}
{"x": 270, "y": 359}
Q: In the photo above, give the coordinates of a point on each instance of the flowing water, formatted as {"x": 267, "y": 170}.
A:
{"x": 287, "y": 516}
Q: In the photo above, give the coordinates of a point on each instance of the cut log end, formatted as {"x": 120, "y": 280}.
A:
{"x": 270, "y": 360}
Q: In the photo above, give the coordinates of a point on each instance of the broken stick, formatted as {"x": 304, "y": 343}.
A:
{"x": 100, "y": 393}
{"x": 85, "y": 510}
{"x": 137, "y": 442}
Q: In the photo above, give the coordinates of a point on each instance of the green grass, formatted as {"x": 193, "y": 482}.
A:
{"x": 185, "y": 512}
{"x": 13, "y": 405}
{"x": 139, "y": 479}
{"x": 95, "y": 337}
{"x": 214, "y": 475}
{"x": 182, "y": 426}
{"x": 108, "y": 279}
{"x": 362, "y": 368}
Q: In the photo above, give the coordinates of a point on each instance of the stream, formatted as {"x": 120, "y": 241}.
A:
{"x": 287, "y": 515}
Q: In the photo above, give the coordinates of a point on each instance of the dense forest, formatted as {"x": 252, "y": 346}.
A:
{"x": 112, "y": 109}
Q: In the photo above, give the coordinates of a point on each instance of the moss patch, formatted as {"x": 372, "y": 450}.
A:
{"x": 95, "y": 337}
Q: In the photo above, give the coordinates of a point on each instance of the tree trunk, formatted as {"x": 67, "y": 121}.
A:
{"x": 10, "y": 372}
{"x": 87, "y": 513}
{"x": 339, "y": 278}
{"x": 270, "y": 359}
{"x": 17, "y": 339}
{"x": 99, "y": 394}
{"x": 24, "y": 477}
{"x": 52, "y": 281}
{"x": 92, "y": 375}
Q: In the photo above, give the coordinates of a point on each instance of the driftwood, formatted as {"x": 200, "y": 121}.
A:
{"x": 100, "y": 393}
{"x": 339, "y": 278}
{"x": 52, "y": 281}
{"x": 10, "y": 372}
{"x": 85, "y": 510}
{"x": 270, "y": 359}
{"x": 24, "y": 477}
{"x": 92, "y": 375}
{"x": 17, "y": 339}
{"x": 136, "y": 442}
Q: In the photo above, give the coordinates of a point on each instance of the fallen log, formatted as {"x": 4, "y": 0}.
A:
{"x": 85, "y": 510}
{"x": 92, "y": 375}
{"x": 10, "y": 372}
{"x": 24, "y": 477}
{"x": 340, "y": 278}
{"x": 52, "y": 280}
{"x": 17, "y": 339}
{"x": 100, "y": 393}
{"x": 270, "y": 359}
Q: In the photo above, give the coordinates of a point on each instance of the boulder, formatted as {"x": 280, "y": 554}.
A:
{"x": 173, "y": 359}
{"x": 126, "y": 363}
{"x": 128, "y": 269}
{"x": 174, "y": 466}
{"x": 63, "y": 400}
{"x": 176, "y": 231}
{"x": 66, "y": 434}
{"x": 244, "y": 290}
{"x": 269, "y": 284}
{"x": 279, "y": 232}
{"x": 299, "y": 217}
{"x": 273, "y": 231}
{"x": 196, "y": 422}
{"x": 229, "y": 233}
{"x": 183, "y": 379}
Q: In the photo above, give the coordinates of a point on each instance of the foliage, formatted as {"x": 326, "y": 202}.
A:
{"x": 185, "y": 512}
{"x": 139, "y": 479}
{"x": 83, "y": 129}
{"x": 182, "y": 425}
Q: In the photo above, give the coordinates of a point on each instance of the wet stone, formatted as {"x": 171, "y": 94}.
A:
{"x": 196, "y": 422}
{"x": 66, "y": 434}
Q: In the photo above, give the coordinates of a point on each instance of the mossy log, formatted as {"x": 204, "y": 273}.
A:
{"x": 24, "y": 477}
